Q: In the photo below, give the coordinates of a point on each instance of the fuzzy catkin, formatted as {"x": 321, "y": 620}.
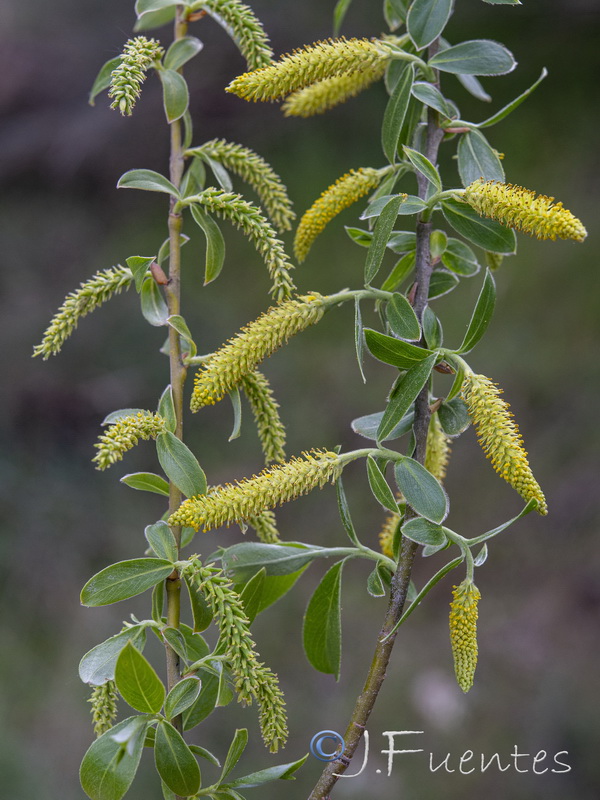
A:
{"x": 463, "y": 632}
{"x": 91, "y": 295}
{"x": 265, "y": 527}
{"x": 499, "y": 437}
{"x": 104, "y": 707}
{"x": 126, "y": 79}
{"x": 309, "y": 65}
{"x": 341, "y": 194}
{"x": 272, "y": 487}
{"x": 246, "y": 29}
{"x": 521, "y": 209}
{"x": 229, "y": 365}
{"x": 124, "y": 434}
{"x": 265, "y": 409}
{"x": 258, "y": 173}
{"x": 321, "y": 96}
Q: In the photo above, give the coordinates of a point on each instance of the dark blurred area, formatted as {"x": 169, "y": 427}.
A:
{"x": 61, "y": 219}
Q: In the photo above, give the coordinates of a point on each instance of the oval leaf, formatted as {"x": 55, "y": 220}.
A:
{"x": 422, "y": 491}
{"x": 181, "y": 696}
{"x": 98, "y": 665}
{"x": 322, "y": 630}
{"x": 394, "y": 351}
{"x": 108, "y": 768}
{"x": 124, "y": 579}
{"x": 395, "y": 114}
{"x": 482, "y": 314}
{"x": 180, "y": 464}
{"x": 368, "y": 426}
{"x": 426, "y": 20}
{"x": 160, "y": 538}
{"x": 215, "y": 243}
{"x": 283, "y": 772}
{"x": 137, "y": 682}
{"x": 181, "y": 51}
{"x": 504, "y": 112}
{"x": 243, "y": 560}
{"x": 404, "y": 395}
{"x": 153, "y": 304}
{"x": 103, "y": 78}
{"x": 424, "y": 166}
{"x": 166, "y": 406}
{"x": 475, "y": 57}
{"x": 440, "y": 283}
{"x": 431, "y": 96}
{"x": 454, "y": 417}
{"x": 176, "y": 96}
{"x": 422, "y": 531}
{"x": 146, "y": 482}
{"x": 402, "y": 318}
{"x": 485, "y": 233}
{"x": 381, "y": 235}
{"x": 148, "y": 180}
{"x": 175, "y": 762}
{"x": 379, "y": 486}
{"x": 236, "y": 748}
{"x": 476, "y": 159}
{"x": 458, "y": 257}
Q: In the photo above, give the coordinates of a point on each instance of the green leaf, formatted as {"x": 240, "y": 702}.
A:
{"x": 344, "y": 511}
{"x": 476, "y": 159}
{"x": 176, "y": 96}
{"x": 124, "y": 579}
{"x": 215, "y": 243}
{"x": 411, "y": 205}
{"x": 139, "y": 266}
{"x": 395, "y": 113}
{"x": 421, "y": 490}
{"x": 147, "y": 6}
{"x": 204, "y": 753}
{"x": 379, "y": 486}
{"x": 440, "y": 283}
{"x": 115, "y": 416}
{"x": 219, "y": 172}
{"x": 155, "y": 19}
{"x": 339, "y": 12}
{"x": 402, "y": 318}
{"x": 454, "y": 417}
{"x": 426, "y": 20}
{"x": 402, "y": 241}
{"x": 508, "y": 109}
{"x": 166, "y": 406}
{"x": 103, "y": 78}
{"x": 148, "y": 180}
{"x": 368, "y": 426}
{"x": 474, "y": 87}
{"x": 98, "y": 665}
{"x": 194, "y": 178}
{"x": 251, "y": 594}
{"x": 394, "y": 351}
{"x": 204, "y": 705}
{"x": 153, "y": 303}
{"x": 236, "y": 402}
{"x": 359, "y": 338}
{"x": 241, "y": 561}
{"x": 322, "y": 630}
{"x": 236, "y": 748}
{"x": 395, "y": 12}
{"x": 485, "y": 233}
{"x": 404, "y": 395}
{"x": 375, "y": 585}
{"x": 200, "y": 609}
{"x": 400, "y": 271}
{"x": 160, "y": 538}
{"x": 431, "y": 96}
{"x": 381, "y": 235}
{"x": 158, "y": 602}
{"x": 176, "y": 321}
{"x": 108, "y": 768}
{"x": 482, "y": 314}
{"x": 281, "y": 772}
{"x": 181, "y": 696}
{"x": 359, "y": 235}
{"x": 458, "y": 257}
{"x": 424, "y": 166}
{"x": 137, "y": 682}
{"x": 146, "y": 482}
{"x": 175, "y": 761}
{"x": 475, "y": 57}
{"x": 181, "y": 51}
{"x": 481, "y": 556}
{"x": 422, "y": 531}
{"x": 458, "y": 382}
{"x": 180, "y": 465}
{"x": 503, "y": 2}
{"x": 438, "y": 241}
{"x": 432, "y": 329}
{"x": 164, "y": 252}
{"x": 195, "y": 644}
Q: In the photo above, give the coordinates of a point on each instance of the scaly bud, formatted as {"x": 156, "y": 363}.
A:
{"x": 341, "y": 194}
{"x": 313, "y": 63}
{"x": 463, "y": 632}
{"x": 124, "y": 434}
{"x": 251, "y": 496}
{"x": 520, "y": 208}
{"x": 319, "y": 97}
{"x": 126, "y": 80}
{"x": 240, "y": 356}
{"x": 499, "y": 437}
{"x": 104, "y": 707}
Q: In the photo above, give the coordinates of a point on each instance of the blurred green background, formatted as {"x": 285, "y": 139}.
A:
{"x": 61, "y": 219}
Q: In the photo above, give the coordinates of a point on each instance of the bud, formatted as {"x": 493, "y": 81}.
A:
{"x": 463, "y": 632}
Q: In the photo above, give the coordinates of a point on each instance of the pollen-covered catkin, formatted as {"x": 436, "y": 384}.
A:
{"x": 272, "y": 487}
{"x": 124, "y": 434}
{"x": 521, "y": 209}
{"x": 229, "y": 365}
{"x": 341, "y": 194}
{"x": 326, "y": 94}
{"x": 463, "y": 632}
{"x": 499, "y": 437}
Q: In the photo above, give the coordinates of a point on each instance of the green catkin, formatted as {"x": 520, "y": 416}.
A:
{"x": 275, "y": 485}
{"x": 126, "y": 80}
{"x": 91, "y": 294}
{"x": 499, "y": 437}
{"x": 341, "y": 194}
{"x": 244, "y": 215}
{"x": 309, "y": 65}
{"x": 271, "y": 431}
{"x": 245, "y": 28}
{"x": 252, "y": 678}
{"x": 265, "y": 527}
{"x": 104, "y": 707}
{"x": 229, "y": 365}
{"x": 463, "y": 632}
{"x": 124, "y": 434}
{"x": 256, "y": 171}
{"x": 321, "y": 96}
{"x": 521, "y": 209}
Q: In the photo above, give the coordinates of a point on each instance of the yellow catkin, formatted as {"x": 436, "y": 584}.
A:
{"x": 321, "y": 96}
{"x": 309, "y": 65}
{"x": 251, "y": 496}
{"x": 124, "y": 435}
{"x": 499, "y": 437}
{"x": 265, "y": 527}
{"x": 521, "y": 209}
{"x": 229, "y": 365}
{"x": 463, "y": 632}
{"x": 104, "y": 707}
{"x": 387, "y": 533}
{"x": 341, "y": 194}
